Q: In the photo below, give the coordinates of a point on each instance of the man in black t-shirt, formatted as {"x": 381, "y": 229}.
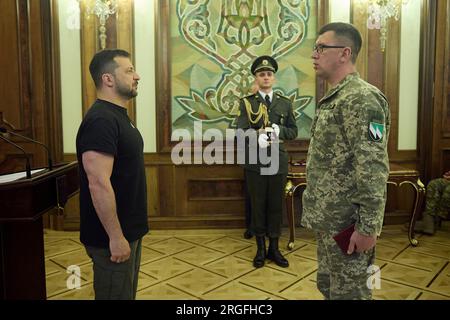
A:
{"x": 113, "y": 195}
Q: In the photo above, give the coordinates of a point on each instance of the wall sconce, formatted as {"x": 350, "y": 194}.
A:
{"x": 379, "y": 11}
{"x": 101, "y": 8}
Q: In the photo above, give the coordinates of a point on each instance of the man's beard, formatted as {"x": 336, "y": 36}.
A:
{"x": 126, "y": 92}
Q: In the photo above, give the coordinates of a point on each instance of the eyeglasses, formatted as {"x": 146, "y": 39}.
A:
{"x": 319, "y": 47}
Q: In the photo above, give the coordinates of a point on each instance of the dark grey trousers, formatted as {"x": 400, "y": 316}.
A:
{"x": 115, "y": 281}
{"x": 267, "y": 200}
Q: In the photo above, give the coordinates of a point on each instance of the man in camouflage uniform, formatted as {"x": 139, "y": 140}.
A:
{"x": 437, "y": 204}
{"x": 262, "y": 111}
{"x": 347, "y": 166}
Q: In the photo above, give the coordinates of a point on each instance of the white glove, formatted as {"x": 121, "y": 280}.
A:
{"x": 276, "y": 128}
{"x": 262, "y": 140}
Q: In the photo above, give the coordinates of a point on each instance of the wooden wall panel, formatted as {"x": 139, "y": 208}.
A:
{"x": 375, "y": 59}
{"x": 28, "y": 106}
{"x": 153, "y": 203}
{"x": 11, "y": 79}
{"x": 40, "y": 81}
{"x": 440, "y": 134}
{"x": 111, "y": 32}
{"x": 71, "y": 219}
{"x": 215, "y": 189}
{"x": 54, "y": 128}
{"x": 446, "y": 159}
{"x": 162, "y": 85}
{"x": 125, "y": 39}
{"x": 168, "y": 196}
{"x": 390, "y": 85}
{"x": 89, "y": 46}
{"x": 426, "y": 92}
{"x": 446, "y": 80}
{"x": 125, "y": 26}
{"x": 359, "y": 20}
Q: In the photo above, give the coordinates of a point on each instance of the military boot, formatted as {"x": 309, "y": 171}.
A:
{"x": 248, "y": 234}
{"x": 275, "y": 255}
{"x": 260, "y": 257}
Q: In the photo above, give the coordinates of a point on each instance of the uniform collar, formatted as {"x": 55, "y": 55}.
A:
{"x": 348, "y": 78}
{"x": 263, "y": 95}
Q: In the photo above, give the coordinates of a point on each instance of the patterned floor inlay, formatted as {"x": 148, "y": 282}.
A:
{"x": 217, "y": 265}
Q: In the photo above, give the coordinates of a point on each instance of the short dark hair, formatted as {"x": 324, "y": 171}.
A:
{"x": 347, "y": 31}
{"x": 103, "y": 62}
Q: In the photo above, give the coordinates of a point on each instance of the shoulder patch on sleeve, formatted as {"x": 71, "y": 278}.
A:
{"x": 376, "y": 125}
{"x": 376, "y": 131}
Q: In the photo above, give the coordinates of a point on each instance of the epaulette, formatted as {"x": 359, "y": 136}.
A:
{"x": 284, "y": 97}
{"x": 249, "y": 96}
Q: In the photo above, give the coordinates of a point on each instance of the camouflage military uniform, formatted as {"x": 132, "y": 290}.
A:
{"x": 438, "y": 198}
{"x": 346, "y": 173}
{"x": 267, "y": 191}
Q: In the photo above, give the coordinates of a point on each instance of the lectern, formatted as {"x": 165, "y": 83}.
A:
{"x": 22, "y": 204}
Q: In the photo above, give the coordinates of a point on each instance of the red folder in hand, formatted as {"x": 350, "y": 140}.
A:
{"x": 343, "y": 238}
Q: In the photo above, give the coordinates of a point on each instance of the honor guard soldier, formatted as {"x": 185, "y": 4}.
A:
{"x": 271, "y": 117}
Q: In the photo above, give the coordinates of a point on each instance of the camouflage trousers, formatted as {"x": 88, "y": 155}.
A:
{"x": 341, "y": 276}
{"x": 438, "y": 198}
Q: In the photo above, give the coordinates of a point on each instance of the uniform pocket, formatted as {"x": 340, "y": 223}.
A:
{"x": 278, "y": 117}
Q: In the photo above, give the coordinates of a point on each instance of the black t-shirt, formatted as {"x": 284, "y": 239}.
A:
{"x": 106, "y": 128}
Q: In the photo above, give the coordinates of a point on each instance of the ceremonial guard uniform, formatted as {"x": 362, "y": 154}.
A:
{"x": 262, "y": 112}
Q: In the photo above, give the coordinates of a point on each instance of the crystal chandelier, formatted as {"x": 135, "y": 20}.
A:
{"x": 379, "y": 11}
